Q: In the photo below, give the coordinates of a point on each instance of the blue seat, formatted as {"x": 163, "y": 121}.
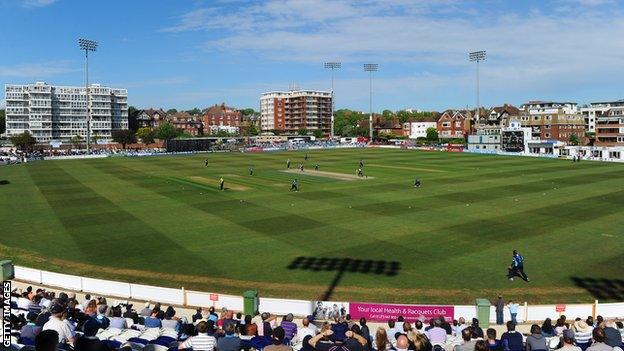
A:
{"x": 260, "y": 342}
{"x": 139, "y": 341}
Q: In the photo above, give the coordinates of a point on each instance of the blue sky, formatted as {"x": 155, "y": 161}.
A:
{"x": 191, "y": 53}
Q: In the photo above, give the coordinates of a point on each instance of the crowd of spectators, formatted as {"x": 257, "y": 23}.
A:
{"x": 44, "y": 321}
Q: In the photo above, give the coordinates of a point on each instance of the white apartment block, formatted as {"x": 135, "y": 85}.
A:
{"x": 595, "y": 110}
{"x": 293, "y": 110}
{"x": 418, "y": 129}
{"x": 50, "y": 112}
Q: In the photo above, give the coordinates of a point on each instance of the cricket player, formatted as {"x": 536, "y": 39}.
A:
{"x": 416, "y": 183}
{"x": 294, "y": 186}
{"x": 316, "y": 167}
{"x": 360, "y": 173}
{"x": 206, "y": 163}
{"x": 288, "y": 164}
{"x": 517, "y": 267}
{"x": 251, "y": 170}
{"x": 221, "y": 184}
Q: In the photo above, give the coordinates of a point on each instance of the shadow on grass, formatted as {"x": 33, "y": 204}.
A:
{"x": 602, "y": 288}
{"x": 4, "y": 182}
{"x": 342, "y": 266}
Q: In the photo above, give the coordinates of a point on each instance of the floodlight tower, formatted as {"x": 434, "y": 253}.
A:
{"x": 370, "y": 68}
{"x": 332, "y": 66}
{"x": 87, "y": 45}
{"x": 477, "y": 56}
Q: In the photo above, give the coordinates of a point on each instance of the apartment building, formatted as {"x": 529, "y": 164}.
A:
{"x": 610, "y": 127}
{"x": 221, "y": 117}
{"x": 592, "y": 111}
{"x": 550, "y": 120}
{"x": 296, "y": 109}
{"x": 50, "y": 112}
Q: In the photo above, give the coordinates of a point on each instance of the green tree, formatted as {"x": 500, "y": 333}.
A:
{"x": 76, "y": 141}
{"x": 193, "y": 112}
{"x": 172, "y": 111}
{"x": 251, "y": 130}
{"x": 132, "y": 118}
{"x": 574, "y": 140}
{"x": 432, "y": 134}
{"x": 387, "y": 114}
{"x": 223, "y": 134}
{"x": 23, "y": 141}
{"x": 146, "y": 135}
{"x": 2, "y": 121}
{"x": 302, "y": 131}
{"x": 248, "y": 112}
{"x": 124, "y": 137}
{"x": 318, "y": 133}
{"x": 166, "y": 131}
{"x": 183, "y": 135}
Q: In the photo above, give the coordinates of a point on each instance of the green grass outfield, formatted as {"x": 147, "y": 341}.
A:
{"x": 161, "y": 220}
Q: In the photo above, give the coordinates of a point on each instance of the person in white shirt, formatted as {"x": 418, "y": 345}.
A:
{"x": 201, "y": 342}
{"x": 392, "y": 330}
{"x": 461, "y": 325}
{"x": 23, "y": 302}
{"x": 56, "y": 323}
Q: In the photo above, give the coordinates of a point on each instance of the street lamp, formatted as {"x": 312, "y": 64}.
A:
{"x": 370, "y": 68}
{"x": 477, "y": 56}
{"x": 332, "y": 66}
{"x": 87, "y": 45}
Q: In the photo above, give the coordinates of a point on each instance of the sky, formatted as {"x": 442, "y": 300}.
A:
{"x": 191, "y": 53}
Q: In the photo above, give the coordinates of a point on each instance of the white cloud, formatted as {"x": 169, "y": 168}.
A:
{"x": 37, "y": 3}
{"x": 37, "y": 70}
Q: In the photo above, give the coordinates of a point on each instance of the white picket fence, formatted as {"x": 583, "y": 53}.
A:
{"x": 183, "y": 297}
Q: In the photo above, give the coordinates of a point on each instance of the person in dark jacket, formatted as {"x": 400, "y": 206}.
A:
{"x": 511, "y": 340}
{"x": 500, "y": 307}
{"x": 477, "y": 330}
{"x": 536, "y": 341}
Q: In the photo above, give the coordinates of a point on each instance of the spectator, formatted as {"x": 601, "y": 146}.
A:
{"x": 117, "y": 321}
{"x": 420, "y": 341}
{"x": 349, "y": 322}
{"x": 477, "y": 330}
{"x": 277, "y": 337}
{"x": 437, "y": 335}
{"x": 381, "y": 340}
{"x": 568, "y": 341}
{"x": 468, "y": 344}
{"x": 250, "y": 328}
{"x": 547, "y": 328}
{"x": 590, "y": 321}
{"x": 290, "y": 328}
{"x": 481, "y": 345}
{"x": 492, "y": 343}
{"x": 24, "y": 302}
{"x": 560, "y": 326}
{"x": 365, "y": 332}
{"x": 536, "y": 341}
{"x": 56, "y": 323}
{"x": 445, "y": 325}
{"x": 513, "y": 311}
{"x": 582, "y": 334}
{"x": 419, "y": 327}
{"x": 500, "y": 307}
{"x": 458, "y": 326}
{"x": 599, "y": 341}
{"x": 130, "y": 313}
{"x": 265, "y": 328}
{"x": 402, "y": 343}
{"x": 212, "y": 315}
{"x": 47, "y": 340}
{"x": 230, "y": 342}
{"x": 170, "y": 321}
{"x": 153, "y": 321}
{"x": 305, "y": 330}
{"x": 198, "y": 315}
{"x": 88, "y": 341}
{"x": 392, "y": 331}
{"x": 612, "y": 334}
{"x": 101, "y": 317}
{"x": 430, "y": 326}
{"x": 229, "y": 319}
{"x": 407, "y": 327}
{"x": 511, "y": 340}
{"x": 339, "y": 328}
{"x": 91, "y": 309}
{"x": 30, "y": 330}
{"x": 598, "y": 322}
{"x": 146, "y": 311}
{"x": 202, "y": 341}
{"x": 352, "y": 342}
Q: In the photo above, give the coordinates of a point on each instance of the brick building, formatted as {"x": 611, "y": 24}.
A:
{"x": 221, "y": 117}
{"x": 454, "y": 124}
{"x": 294, "y": 110}
{"x": 553, "y": 120}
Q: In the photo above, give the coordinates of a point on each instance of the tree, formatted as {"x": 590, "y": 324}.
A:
{"x": 302, "y": 131}
{"x": 223, "y": 134}
{"x": 193, "y": 112}
{"x": 132, "y": 118}
{"x": 387, "y": 114}
{"x": 432, "y": 134}
{"x": 184, "y": 135}
{"x": 172, "y": 111}
{"x": 23, "y": 141}
{"x": 166, "y": 131}
{"x": 574, "y": 140}
{"x": 248, "y": 112}
{"x": 76, "y": 140}
{"x": 2, "y": 121}
{"x": 318, "y": 133}
{"x": 146, "y": 135}
{"x": 124, "y": 137}
{"x": 250, "y": 130}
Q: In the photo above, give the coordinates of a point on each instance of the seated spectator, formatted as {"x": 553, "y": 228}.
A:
{"x": 477, "y": 330}
{"x": 536, "y": 341}
{"x": 88, "y": 341}
{"x": 381, "y": 340}
{"x": 278, "y": 341}
{"x": 101, "y": 317}
{"x": 47, "y": 340}
{"x": 170, "y": 321}
{"x": 598, "y": 334}
{"x": 305, "y": 330}
{"x": 560, "y": 326}
{"x": 201, "y": 342}
{"x": 511, "y": 340}
{"x": 290, "y": 328}
{"x": 153, "y": 321}
{"x": 146, "y": 311}
{"x": 24, "y": 302}
{"x": 420, "y": 341}
{"x": 198, "y": 315}
{"x": 568, "y": 341}
{"x": 468, "y": 344}
{"x": 418, "y": 325}
{"x": 130, "y": 313}
{"x": 492, "y": 343}
{"x": 431, "y": 324}
{"x": 30, "y": 330}
{"x": 612, "y": 334}
{"x": 402, "y": 343}
{"x": 547, "y": 328}
{"x": 91, "y": 309}
{"x": 117, "y": 321}
{"x": 582, "y": 334}
{"x": 351, "y": 342}
{"x": 458, "y": 326}
{"x": 212, "y": 315}
{"x": 230, "y": 342}
{"x": 481, "y": 345}
{"x": 229, "y": 319}
{"x": 339, "y": 328}
{"x": 56, "y": 323}
{"x": 445, "y": 325}
{"x": 436, "y": 335}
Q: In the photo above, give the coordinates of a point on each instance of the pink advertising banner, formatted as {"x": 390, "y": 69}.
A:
{"x": 379, "y": 312}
